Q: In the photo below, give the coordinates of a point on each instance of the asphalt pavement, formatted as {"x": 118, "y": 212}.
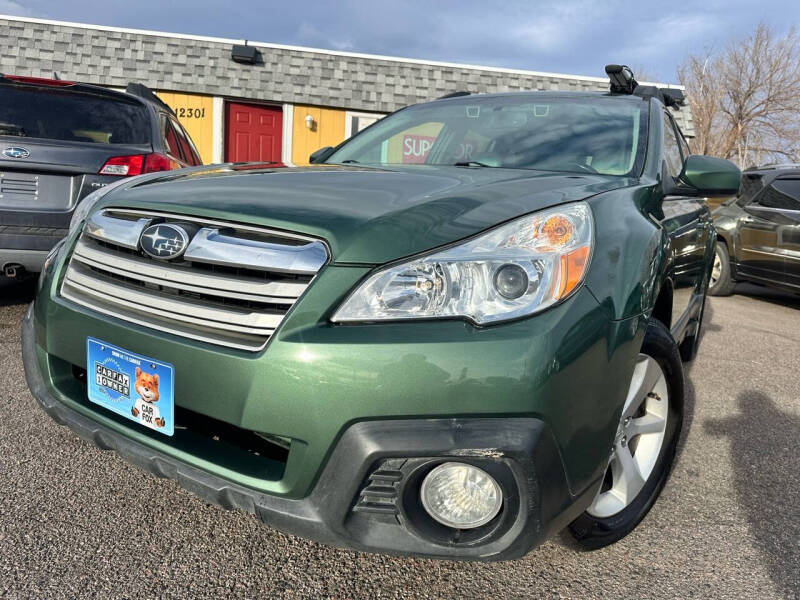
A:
{"x": 77, "y": 522}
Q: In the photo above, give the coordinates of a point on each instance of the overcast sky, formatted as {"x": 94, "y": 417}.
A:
{"x": 566, "y": 36}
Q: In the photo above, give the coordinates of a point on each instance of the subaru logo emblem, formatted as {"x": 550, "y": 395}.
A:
{"x": 16, "y": 152}
{"x": 165, "y": 241}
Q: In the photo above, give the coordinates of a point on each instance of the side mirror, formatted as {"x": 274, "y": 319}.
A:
{"x": 710, "y": 176}
{"x": 320, "y": 155}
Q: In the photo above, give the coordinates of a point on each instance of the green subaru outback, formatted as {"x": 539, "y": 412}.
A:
{"x": 453, "y": 335}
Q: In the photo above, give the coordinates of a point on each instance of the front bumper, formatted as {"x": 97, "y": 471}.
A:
{"x": 520, "y": 452}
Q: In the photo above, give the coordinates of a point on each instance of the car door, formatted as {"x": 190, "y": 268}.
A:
{"x": 686, "y": 221}
{"x": 777, "y": 211}
{"x": 760, "y": 253}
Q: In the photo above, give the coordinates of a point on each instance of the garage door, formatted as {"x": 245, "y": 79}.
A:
{"x": 253, "y": 132}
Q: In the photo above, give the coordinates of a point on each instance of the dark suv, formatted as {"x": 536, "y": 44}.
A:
{"x": 61, "y": 140}
{"x": 759, "y": 232}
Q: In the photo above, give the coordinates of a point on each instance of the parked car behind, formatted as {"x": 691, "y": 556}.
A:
{"x": 759, "y": 232}
{"x": 61, "y": 140}
{"x": 455, "y": 355}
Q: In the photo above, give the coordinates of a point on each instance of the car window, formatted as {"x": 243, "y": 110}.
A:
{"x": 187, "y": 147}
{"x": 171, "y": 140}
{"x": 685, "y": 151}
{"x": 782, "y": 194}
{"x": 672, "y": 153}
{"x": 67, "y": 115}
{"x": 549, "y": 133}
{"x": 751, "y": 184}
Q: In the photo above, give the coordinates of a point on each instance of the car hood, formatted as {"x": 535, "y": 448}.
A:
{"x": 367, "y": 215}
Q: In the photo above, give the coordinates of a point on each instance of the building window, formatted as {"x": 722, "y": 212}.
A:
{"x": 356, "y": 121}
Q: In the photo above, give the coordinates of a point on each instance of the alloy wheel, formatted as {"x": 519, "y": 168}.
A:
{"x": 716, "y": 270}
{"x": 638, "y": 441}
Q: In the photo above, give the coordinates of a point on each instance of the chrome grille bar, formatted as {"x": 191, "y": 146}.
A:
{"x": 187, "y": 279}
{"x": 116, "y": 231}
{"x": 211, "y": 246}
{"x": 233, "y": 292}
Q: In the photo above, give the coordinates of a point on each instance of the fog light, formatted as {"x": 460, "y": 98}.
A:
{"x": 460, "y": 495}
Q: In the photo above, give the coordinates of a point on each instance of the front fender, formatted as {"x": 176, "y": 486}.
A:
{"x": 632, "y": 254}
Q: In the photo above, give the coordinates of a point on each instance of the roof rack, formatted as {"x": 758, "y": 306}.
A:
{"x": 144, "y": 92}
{"x": 774, "y": 166}
{"x": 623, "y": 82}
{"x": 454, "y": 95}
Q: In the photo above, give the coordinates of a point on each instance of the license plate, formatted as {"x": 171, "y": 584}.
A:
{"x": 134, "y": 386}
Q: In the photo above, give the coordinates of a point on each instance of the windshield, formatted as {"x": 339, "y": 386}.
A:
{"x": 551, "y": 133}
{"x": 66, "y": 115}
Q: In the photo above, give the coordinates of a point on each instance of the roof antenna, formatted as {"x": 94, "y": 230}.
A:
{"x": 55, "y": 76}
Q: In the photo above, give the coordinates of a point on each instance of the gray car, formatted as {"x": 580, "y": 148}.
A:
{"x": 759, "y": 232}
{"x": 61, "y": 140}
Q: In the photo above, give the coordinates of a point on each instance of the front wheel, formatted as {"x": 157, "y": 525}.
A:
{"x": 644, "y": 445}
{"x": 721, "y": 282}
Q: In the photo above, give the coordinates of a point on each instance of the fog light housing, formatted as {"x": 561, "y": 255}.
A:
{"x": 460, "y": 495}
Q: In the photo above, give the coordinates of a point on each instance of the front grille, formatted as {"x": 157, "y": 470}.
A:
{"x": 232, "y": 287}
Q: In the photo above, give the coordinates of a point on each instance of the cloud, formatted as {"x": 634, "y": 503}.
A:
{"x": 309, "y": 35}
{"x": 565, "y": 36}
{"x": 9, "y": 7}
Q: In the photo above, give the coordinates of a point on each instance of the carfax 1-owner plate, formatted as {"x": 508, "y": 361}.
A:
{"x": 134, "y": 386}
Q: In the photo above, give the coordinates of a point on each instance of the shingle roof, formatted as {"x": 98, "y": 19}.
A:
{"x": 114, "y": 56}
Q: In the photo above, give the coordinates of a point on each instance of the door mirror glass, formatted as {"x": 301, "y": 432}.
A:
{"x": 710, "y": 176}
{"x": 320, "y": 155}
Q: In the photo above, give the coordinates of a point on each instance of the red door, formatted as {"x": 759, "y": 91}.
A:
{"x": 253, "y": 132}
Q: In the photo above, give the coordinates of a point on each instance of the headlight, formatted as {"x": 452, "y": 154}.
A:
{"x": 460, "y": 495}
{"x": 85, "y": 205}
{"x": 514, "y": 270}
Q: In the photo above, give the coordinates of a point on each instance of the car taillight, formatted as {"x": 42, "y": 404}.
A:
{"x": 158, "y": 162}
{"x": 123, "y": 165}
{"x": 136, "y": 164}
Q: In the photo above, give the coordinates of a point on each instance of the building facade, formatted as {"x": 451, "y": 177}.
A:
{"x": 287, "y": 104}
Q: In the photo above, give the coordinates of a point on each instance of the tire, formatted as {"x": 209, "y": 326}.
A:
{"x": 722, "y": 282}
{"x": 610, "y": 518}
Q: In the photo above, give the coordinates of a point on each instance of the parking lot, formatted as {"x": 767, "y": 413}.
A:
{"x": 79, "y": 522}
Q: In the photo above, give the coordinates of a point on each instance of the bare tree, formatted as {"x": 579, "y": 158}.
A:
{"x": 745, "y": 100}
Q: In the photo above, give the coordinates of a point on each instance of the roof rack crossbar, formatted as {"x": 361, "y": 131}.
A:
{"x": 622, "y": 81}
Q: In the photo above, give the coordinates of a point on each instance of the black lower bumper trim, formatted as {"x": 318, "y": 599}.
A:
{"x": 523, "y": 446}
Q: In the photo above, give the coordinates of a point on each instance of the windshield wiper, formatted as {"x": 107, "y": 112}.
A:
{"x": 12, "y": 129}
{"x": 350, "y": 161}
{"x": 471, "y": 163}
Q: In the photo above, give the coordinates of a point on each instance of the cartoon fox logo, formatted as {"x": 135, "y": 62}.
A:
{"x": 145, "y": 408}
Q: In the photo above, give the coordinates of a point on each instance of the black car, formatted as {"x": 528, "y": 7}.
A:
{"x": 61, "y": 140}
{"x": 759, "y": 232}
